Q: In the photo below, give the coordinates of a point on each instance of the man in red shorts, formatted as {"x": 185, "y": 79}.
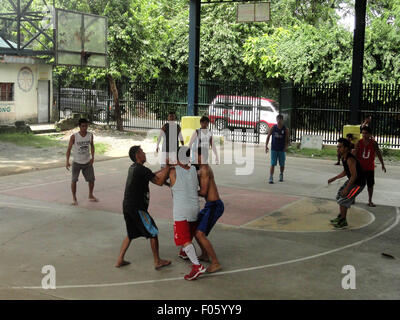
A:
{"x": 365, "y": 150}
{"x": 184, "y": 186}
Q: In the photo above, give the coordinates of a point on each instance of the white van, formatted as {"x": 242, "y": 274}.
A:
{"x": 227, "y": 111}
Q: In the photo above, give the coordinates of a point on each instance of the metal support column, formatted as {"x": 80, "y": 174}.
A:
{"x": 358, "y": 57}
{"x": 194, "y": 51}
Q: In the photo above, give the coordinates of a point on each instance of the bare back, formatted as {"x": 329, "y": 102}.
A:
{"x": 208, "y": 187}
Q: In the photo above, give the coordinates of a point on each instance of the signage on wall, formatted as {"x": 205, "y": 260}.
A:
{"x": 6, "y": 107}
{"x": 25, "y": 79}
{"x": 311, "y": 142}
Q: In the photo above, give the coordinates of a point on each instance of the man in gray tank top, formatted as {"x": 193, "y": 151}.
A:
{"x": 184, "y": 185}
{"x": 80, "y": 143}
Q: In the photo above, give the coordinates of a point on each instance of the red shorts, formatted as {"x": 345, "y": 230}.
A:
{"x": 184, "y": 231}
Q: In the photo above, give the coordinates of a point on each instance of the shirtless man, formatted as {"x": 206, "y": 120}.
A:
{"x": 213, "y": 210}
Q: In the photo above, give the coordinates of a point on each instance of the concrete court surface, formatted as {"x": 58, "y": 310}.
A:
{"x": 274, "y": 241}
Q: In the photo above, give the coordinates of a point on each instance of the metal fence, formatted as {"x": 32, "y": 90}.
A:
{"x": 325, "y": 109}
{"x": 234, "y": 107}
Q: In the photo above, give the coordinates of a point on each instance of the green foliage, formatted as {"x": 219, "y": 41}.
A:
{"x": 303, "y": 42}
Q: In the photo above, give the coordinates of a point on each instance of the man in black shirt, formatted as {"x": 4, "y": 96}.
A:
{"x": 138, "y": 221}
{"x": 352, "y": 187}
{"x": 170, "y": 133}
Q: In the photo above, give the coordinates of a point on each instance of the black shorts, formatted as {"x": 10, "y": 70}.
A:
{"x": 139, "y": 223}
{"x": 370, "y": 176}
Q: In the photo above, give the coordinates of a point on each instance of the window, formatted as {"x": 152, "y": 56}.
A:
{"x": 6, "y": 91}
{"x": 269, "y": 109}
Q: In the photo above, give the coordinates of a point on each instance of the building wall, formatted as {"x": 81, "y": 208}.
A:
{"x": 25, "y": 78}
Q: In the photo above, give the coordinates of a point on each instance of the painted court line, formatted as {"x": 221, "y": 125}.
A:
{"x": 397, "y": 218}
{"x": 48, "y": 183}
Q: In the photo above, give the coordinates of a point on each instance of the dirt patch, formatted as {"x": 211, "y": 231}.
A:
{"x": 17, "y": 159}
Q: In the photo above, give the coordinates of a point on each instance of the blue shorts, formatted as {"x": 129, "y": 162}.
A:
{"x": 209, "y": 215}
{"x": 275, "y": 155}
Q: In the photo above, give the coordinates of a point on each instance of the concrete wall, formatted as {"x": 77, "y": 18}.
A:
{"x": 25, "y": 78}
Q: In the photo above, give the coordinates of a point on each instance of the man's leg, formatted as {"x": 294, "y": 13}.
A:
{"x": 274, "y": 161}
{"x": 343, "y": 212}
{"x": 91, "y": 188}
{"x": 88, "y": 173}
{"x": 209, "y": 250}
{"x": 124, "y": 247}
{"x": 158, "y": 262}
{"x": 197, "y": 268}
{"x": 73, "y": 190}
{"x": 370, "y": 184}
{"x": 271, "y": 174}
{"x": 281, "y": 173}
{"x": 370, "y": 193}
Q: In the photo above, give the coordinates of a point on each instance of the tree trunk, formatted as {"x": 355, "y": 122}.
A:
{"x": 117, "y": 110}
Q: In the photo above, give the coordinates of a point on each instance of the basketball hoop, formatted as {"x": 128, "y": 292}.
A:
{"x": 253, "y": 12}
{"x": 85, "y": 57}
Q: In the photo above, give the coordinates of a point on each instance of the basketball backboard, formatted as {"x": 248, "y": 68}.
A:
{"x": 253, "y": 12}
{"x": 81, "y": 39}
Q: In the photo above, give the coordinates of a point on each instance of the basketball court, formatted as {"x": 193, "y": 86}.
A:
{"x": 274, "y": 241}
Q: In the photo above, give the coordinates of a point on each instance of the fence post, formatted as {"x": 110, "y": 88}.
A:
{"x": 59, "y": 97}
{"x": 286, "y": 104}
{"x": 108, "y": 102}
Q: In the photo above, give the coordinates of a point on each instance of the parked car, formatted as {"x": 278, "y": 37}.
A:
{"x": 228, "y": 111}
{"x": 76, "y": 100}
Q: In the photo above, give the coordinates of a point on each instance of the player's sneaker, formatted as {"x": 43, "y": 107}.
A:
{"x": 271, "y": 180}
{"x": 341, "y": 224}
{"x": 197, "y": 270}
{"x": 336, "y": 220}
{"x": 280, "y": 177}
{"x": 182, "y": 254}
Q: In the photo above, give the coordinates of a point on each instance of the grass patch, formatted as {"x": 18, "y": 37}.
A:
{"x": 44, "y": 141}
{"x": 31, "y": 140}
{"x": 325, "y": 153}
{"x": 101, "y": 148}
{"x": 330, "y": 153}
{"x": 390, "y": 154}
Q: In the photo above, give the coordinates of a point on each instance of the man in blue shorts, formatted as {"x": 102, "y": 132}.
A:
{"x": 213, "y": 210}
{"x": 279, "y": 146}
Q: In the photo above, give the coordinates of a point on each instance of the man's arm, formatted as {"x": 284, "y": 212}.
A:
{"x": 204, "y": 179}
{"x": 161, "y": 176}
{"x": 192, "y": 139}
{"x": 172, "y": 176}
{"x": 214, "y": 149}
{"x": 267, "y": 141}
{"x": 92, "y": 150}
{"x": 180, "y": 137}
{"x": 379, "y": 154}
{"x": 71, "y": 143}
{"x": 340, "y": 175}
{"x": 160, "y": 135}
